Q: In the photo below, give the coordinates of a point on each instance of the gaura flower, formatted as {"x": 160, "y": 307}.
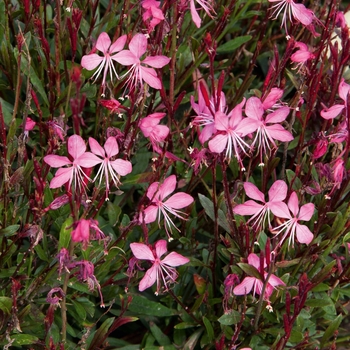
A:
{"x": 161, "y": 270}
{"x": 74, "y": 173}
{"x": 157, "y": 193}
{"x": 105, "y": 63}
{"x": 256, "y": 284}
{"x": 153, "y": 15}
{"x": 277, "y": 193}
{"x": 138, "y": 73}
{"x": 301, "y": 56}
{"x": 291, "y": 226}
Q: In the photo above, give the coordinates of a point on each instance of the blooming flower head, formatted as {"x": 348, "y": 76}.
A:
{"x": 301, "y": 56}
{"x": 105, "y": 63}
{"x": 291, "y": 226}
{"x": 162, "y": 270}
{"x": 157, "y": 193}
{"x": 74, "y": 173}
{"x": 150, "y": 128}
{"x": 229, "y": 134}
{"x": 277, "y": 193}
{"x": 255, "y": 283}
{"x": 153, "y": 15}
{"x": 267, "y": 128}
{"x": 109, "y": 168}
{"x": 138, "y": 73}
{"x": 30, "y": 124}
{"x": 292, "y": 10}
{"x": 83, "y": 229}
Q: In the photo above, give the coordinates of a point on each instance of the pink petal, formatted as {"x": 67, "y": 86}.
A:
{"x": 274, "y": 95}
{"x": 56, "y": 161}
{"x": 76, "y": 146}
{"x": 161, "y": 132}
{"x": 126, "y": 58}
{"x": 118, "y": 45}
{"x": 90, "y": 62}
{"x": 167, "y": 187}
{"x": 248, "y": 126}
{"x": 149, "y": 75}
{"x": 344, "y": 89}
{"x": 179, "y": 200}
{"x": 306, "y": 212}
{"x": 332, "y": 112}
{"x": 206, "y": 133}
{"x": 279, "y": 209}
{"x": 63, "y": 175}
{"x": 254, "y": 108}
{"x": 149, "y": 278}
{"x": 218, "y": 143}
{"x": 161, "y": 247}
{"x": 293, "y": 204}
{"x": 278, "y": 191}
{"x": 248, "y": 208}
{"x": 111, "y": 147}
{"x": 221, "y": 121}
{"x": 278, "y": 116}
{"x": 304, "y": 235}
{"x": 138, "y": 45}
{"x": 96, "y": 148}
{"x": 253, "y": 192}
{"x": 150, "y": 214}
{"x": 277, "y": 132}
{"x": 236, "y": 115}
{"x": 156, "y": 61}
{"x": 152, "y": 189}
{"x": 195, "y": 17}
{"x": 142, "y": 251}
{"x": 175, "y": 259}
{"x": 103, "y": 42}
{"x": 245, "y": 287}
{"x": 121, "y": 166}
{"x": 275, "y": 281}
{"x": 88, "y": 160}
{"x": 302, "y": 14}
{"x": 254, "y": 260}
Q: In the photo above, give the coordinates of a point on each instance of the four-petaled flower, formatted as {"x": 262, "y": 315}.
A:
{"x": 255, "y": 283}
{"x": 291, "y": 226}
{"x": 109, "y": 50}
{"x": 138, "y": 73}
{"x": 277, "y": 193}
{"x": 109, "y": 167}
{"x": 161, "y": 270}
{"x": 74, "y": 173}
{"x": 157, "y": 193}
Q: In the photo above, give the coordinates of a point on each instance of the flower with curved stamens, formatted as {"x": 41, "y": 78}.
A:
{"x": 138, "y": 73}
{"x": 157, "y": 194}
{"x": 161, "y": 270}
{"x": 109, "y": 168}
{"x": 277, "y": 193}
{"x": 292, "y": 227}
{"x": 74, "y": 173}
{"x": 105, "y": 63}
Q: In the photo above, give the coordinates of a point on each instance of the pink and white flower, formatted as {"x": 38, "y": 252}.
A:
{"x": 157, "y": 193}
{"x": 162, "y": 270}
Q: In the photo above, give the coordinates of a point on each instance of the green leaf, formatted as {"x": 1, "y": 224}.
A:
{"x": 208, "y": 206}
{"x": 209, "y": 328}
{"x": 160, "y": 337}
{"x": 193, "y": 339}
{"x": 185, "y": 325}
{"x": 323, "y": 273}
{"x": 9, "y": 230}
{"x": 23, "y": 339}
{"x": 41, "y": 253}
{"x": 113, "y": 212}
{"x": 329, "y": 332}
{"x": 142, "y": 306}
{"x": 100, "y": 334}
{"x": 231, "y": 318}
{"x": 292, "y": 179}
{"x": 233, "y": 44}
{"x": 80, "y": 310}
{"x": 65, "y": 234}
{"x": 7, "y": 108}
{"x": 250, "y": 270}
{"x": 318, "y": 302}
{"x": 6, "y": 304}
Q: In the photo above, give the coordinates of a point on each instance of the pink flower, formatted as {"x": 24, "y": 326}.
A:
{"x": 229, "y": 134}
{"x": 277, "y": 193}
{"x": 105, "y": 62}
{"x": 153, "y": 15}
{"x": 109, "y": 168}
{"x": 113, "y": 105}
{"x": 157, "y": 193}
{"x": 74, "y": 173}
{"x": 302, "y": 55}
{"x": 161, "y": 270}
{"x": 335, "y": 110}
{"x": 256, "y": 284}
{"x": 157, "y": 133}
{"x": 83, "y": 229}
{"x": 298, "y": 11}
{"x": 292, "y": 227}
{"x": 138, "y": 73}
{"x": 30, "y": 124}
{"x": 207, "y": 7}
{"x": 267, "y": 129}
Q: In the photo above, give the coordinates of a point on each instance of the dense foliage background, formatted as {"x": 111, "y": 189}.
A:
{"x": 175, "y": 174}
